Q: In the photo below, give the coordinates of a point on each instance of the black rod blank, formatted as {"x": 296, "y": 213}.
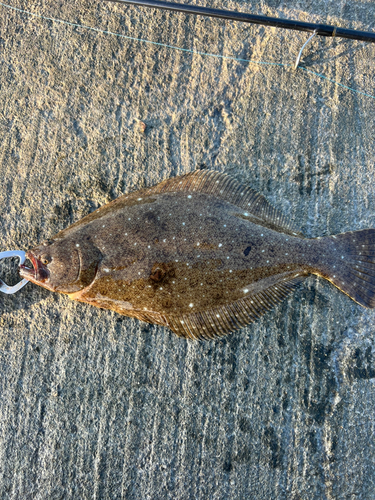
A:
{"x": 319, "y": 29}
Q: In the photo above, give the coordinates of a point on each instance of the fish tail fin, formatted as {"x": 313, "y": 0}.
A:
{"x": 354, "y": 272}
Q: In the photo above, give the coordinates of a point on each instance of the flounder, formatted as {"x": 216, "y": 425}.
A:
{"x": 200, "y": 254}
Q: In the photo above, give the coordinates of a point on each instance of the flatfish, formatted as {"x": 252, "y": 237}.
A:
{"x": 198, "y": 253}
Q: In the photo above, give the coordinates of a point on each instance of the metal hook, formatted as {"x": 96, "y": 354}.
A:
{"x": 303, "y": 46}
{"x": 3, "y": 286}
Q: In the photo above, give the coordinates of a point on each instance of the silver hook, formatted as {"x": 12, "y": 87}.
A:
{"x": 303, "y": 46}
{"x": 3, "y": 286}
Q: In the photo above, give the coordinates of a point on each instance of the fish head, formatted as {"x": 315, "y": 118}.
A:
{"x": 60, "y": 266}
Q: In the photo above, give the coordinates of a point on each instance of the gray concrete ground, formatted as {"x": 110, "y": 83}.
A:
{"x": 98, "y": 406}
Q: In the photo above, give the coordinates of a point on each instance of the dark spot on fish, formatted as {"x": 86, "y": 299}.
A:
{"x": 151, "y": 218}
{"x": 211, "y": 279}
{"x": 247, "y": 251}
{"x": 167, "y": 303}
{"x": 157, "y": 273}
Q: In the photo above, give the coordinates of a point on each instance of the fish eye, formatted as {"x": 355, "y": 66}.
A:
{"x": 45, "y": 259}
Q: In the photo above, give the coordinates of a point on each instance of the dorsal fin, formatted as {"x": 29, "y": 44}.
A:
{"x": 217, "y": 184}
{"x": 226, "y": 319}
{"x": 228, "y": 189}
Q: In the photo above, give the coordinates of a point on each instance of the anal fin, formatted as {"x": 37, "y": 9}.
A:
{"x": 223, "y": 320}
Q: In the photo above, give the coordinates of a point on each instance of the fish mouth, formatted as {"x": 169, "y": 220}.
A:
{"x": 38, "y": 274}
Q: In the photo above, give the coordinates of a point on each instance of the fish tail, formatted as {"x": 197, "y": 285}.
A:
{"x": 352, "y": 264}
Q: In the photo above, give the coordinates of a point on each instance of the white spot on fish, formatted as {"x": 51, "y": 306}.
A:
{"x": 77, "y": 245}
{"x": 189, "y": 196}
{"x": 191, "y": 305}
{"x": 220, "y": 245}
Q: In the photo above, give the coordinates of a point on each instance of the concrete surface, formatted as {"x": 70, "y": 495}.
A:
{"x": 98, "y": 406}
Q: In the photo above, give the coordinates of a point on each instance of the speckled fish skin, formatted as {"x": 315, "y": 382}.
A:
{"x": 200, "y": 254}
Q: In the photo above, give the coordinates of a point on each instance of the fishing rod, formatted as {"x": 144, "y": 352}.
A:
{"x": 316, "y": 29}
